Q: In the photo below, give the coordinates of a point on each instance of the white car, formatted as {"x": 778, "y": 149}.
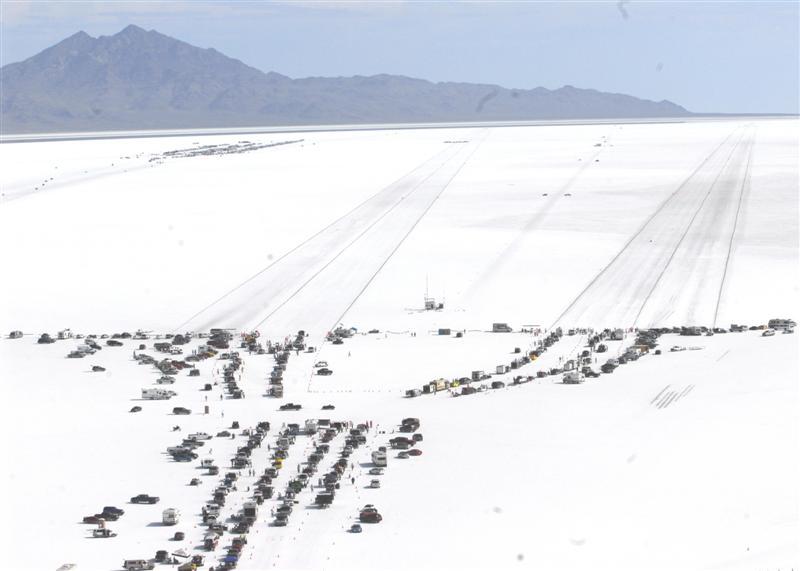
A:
{"x": 320, "y": 364}
{"x": 200, "y": 436}
{"x": 375, "y": 484}
{"x": 768, "y": 333}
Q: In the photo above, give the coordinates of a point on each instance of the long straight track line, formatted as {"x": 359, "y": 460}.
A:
{"x": 645, "y": 225}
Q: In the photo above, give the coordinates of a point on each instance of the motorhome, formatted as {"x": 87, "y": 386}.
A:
{"x": 379, "y": 458}
{"x": 157, "y": 394}
{"x": 170, "y": 516}
{"x": 781, "y": 324}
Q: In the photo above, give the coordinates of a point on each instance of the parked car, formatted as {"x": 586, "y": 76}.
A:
{"x": 376, "y": 471}
{"x": 403, "y": 455}
{"x": 324, "y": 372}
{"x": 355, "y": 528}
{"x": 414, "y": 452}
{"x": 328, "y": 407}
{"x": 145, "y": 499}
{"x": 290, "y": 406}
{"x": 114, "y": 343}
{"x": 181, "y": 410}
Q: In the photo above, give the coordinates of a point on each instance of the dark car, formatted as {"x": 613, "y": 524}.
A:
{"x": 114, "y": 343}
{"x": 144, "y": 499}
{"x": 370, "y": 516}
{"x": 328, "y": 407}
{"x": 324, "y": 372}
{"x": 113, "y": 510}
{"x": 290, "y": 406}
{"x": 98, "y": 369}
{"x": 181, "y": 410}
{"x": 92, "y": 519}
{"x": 415, "y": 452}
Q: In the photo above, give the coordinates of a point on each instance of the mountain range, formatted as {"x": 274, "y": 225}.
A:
{"x": 138, "y": 79}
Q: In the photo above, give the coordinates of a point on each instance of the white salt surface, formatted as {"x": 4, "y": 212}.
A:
{"x": 349, "y": 227}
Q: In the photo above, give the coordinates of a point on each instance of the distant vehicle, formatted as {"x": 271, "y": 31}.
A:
{"x": 414, "y": 452}
{"x": 781, "y": 324}
{"x": 328, "y": 407}
{"x": 324, "y": 372}
{"x": 608, "y": 368}
{"x": 376, "y": 471}
{"x": 320, "y": 364}
{"x": 113, "y": 510}
{"x": 403, "y": 455}
{"x": 375, "y": 484}
{"x": 103, "y": 533}
{"x": 379, "y": 458}
{"x": 136, "y": 409}
{"x": 98, "y": 369}
{"x": 157, "y": 394}
{"x": 93, "y": 519}
{"x": 355, "y": 528}
{"x": 114, "y": 343}
{"x": 137, "y": 565}
{"x": 768, "y": 333}
{"x": 785, "y": 331}
{"x": 181, "y": 410}
{"x": 200, "y": 436}
{"x": 370, "y": 516}
{"x": 573, "y": 378}
{"x": 145, "y": 499}
{"x": 15, "y": 335}
{"x": 290, "y": 406}
{"x": 170, "y": 516}
{"x": 194, "y": 373}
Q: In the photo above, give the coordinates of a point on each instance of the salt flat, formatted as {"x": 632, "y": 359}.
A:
{"x": 538, "y": 226}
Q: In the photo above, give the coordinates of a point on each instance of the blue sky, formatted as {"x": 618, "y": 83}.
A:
{"x": 707, "y": 56}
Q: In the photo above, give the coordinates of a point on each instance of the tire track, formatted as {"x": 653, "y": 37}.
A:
{"x": 606, "y": 285}
{"x": 356, "y": 240}
{"x": 686, "y": 232}
{"x": 330, "y": 233}
{"x": 745, "y": 185}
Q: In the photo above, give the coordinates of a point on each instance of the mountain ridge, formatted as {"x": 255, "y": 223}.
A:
{"x": 142, "y": 79}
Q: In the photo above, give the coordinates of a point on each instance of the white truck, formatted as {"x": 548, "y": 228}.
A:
{"x": 157, "y": 394}
{"x": 379, "y": 458}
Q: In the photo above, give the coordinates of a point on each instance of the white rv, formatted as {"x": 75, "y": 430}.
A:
{"x": 170, "y": 516}
{"x": 157, "y": 394}
{"x": 573, "y": 378}
{"x": 379, "y": 458}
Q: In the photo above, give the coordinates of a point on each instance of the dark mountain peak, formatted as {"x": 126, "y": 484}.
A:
{"x": 131, "y": 30}
{"x": 77, "y": 40}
